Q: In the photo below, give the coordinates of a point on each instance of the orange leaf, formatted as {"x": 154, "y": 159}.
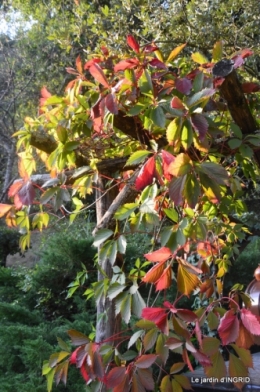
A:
{"x": 4, "y": 208}
{"x": 165, "y": 280}
{"x": 14, "y": 188}
{"x": 154, "y": 273}
{"x": 245, "y": 338}
{"x": 161, "y": 254}
{"x": 79, "y": 65}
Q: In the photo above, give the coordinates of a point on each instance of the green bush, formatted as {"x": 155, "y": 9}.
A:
{"x": 34, "y": 311}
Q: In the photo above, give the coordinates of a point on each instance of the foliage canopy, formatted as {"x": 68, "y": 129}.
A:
{"x": 162, "y": 142}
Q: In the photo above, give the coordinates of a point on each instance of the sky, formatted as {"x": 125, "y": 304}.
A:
{"x": 10, "y": 24}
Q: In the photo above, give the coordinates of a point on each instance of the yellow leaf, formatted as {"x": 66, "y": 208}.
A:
{"x": 174, "y": 53}
{"x": 199, "y": 58}
{"x": 237, "y": 369}
{"x": 186, "y": 282}
{"x": 218, "y": 368}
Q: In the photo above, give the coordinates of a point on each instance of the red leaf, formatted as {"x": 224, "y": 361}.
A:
{"x": 89, "y": 63}
{"x": 186, "y": 359}
{"x": 126, "y": 64}
{"x": 187, "y": 315}
{"x": 133, "y": 43}
{"x": 111, "y": 103}
{"x": 104, "y": 50}
{"x": 146, "y": 175}
{"x": 200, "y": 124}
{"x": 202, "y": 358}
{"x": 250, "y": 87}
{"x": 162, "y": 254}
{"x": 145, "y": 361}
{"x": 98, "y": 74}
{"x": 229, "y": 327}
{"x": 157, "y": 64}
{"x": 71, "y": 71}
{"x": 84, "y": 373}
{"x": 73, "y": 357}
{"x": 97, "y": 114}
{"x": 246, "y": 53}
{"x": 26, "y": 195}
{"x": 176, "y": 189}
{"x": 176, "y": 103}
{"x": 167, "y": 159}
{"x": 238, "y": 61}
{"x": 45, "y": 93}
{"x": 115, "y": 377}
{"x": 150, "y": 48}
{"x": 146, "y": 379}
{"x": 250, "y": 321}
{"x": 183, "y": 85}
{"x": 157, "y": 315}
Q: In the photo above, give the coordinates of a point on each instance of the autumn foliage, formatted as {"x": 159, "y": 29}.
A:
{"x": 182, "y": 153}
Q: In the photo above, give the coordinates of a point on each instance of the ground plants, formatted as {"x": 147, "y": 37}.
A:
{"x": 161, "y": 139}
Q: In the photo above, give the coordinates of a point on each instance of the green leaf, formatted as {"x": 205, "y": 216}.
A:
{"x": 101, "y": 236}
{"x": 114, "y": 290}
{"x": 50, "y": 377}
{"x": 145, "y": 324}
{"x": 112, "y": 252}
{"x": 125, "y": 308}
{"x": 137, "y": 157}
{"x": 236, "y": 130}
{"x": 246, "y": 151}
{"x": 186, "y": 135}
{"x": 125, "y": 211}
{"x": 70, "y": 146}
{"x": 234, "y": 143}
{"x": 121, "y": 244}
{"x": 47, "y": 195}
{"x": 150, "y": 338}
{"x": 161, "y": 349}
{"x": 191, "y": 190}
{"x": 62, "y": 344}
{"x": 134, "y": 338}
{"x": 218, "y": 368}
{"x": 62, "y": 134}
{"x": 138, "y": 304}
{"x": 172, "y": 214}
{"x": 158, "y": 116}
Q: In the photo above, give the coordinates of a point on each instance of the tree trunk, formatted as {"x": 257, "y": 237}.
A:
{"x": 107, "y": 323}
{"x": 8, "y": 172}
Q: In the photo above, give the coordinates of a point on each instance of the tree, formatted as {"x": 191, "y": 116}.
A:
{"x": 162, "y": 144}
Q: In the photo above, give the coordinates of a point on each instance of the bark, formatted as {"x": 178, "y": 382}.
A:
{"x": 107, "y": 322}
{"x": 231, "y": 91}
{"x": 8, "y": 177}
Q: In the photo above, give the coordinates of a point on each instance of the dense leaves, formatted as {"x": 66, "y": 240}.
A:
{"x": 159, "y": 142}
